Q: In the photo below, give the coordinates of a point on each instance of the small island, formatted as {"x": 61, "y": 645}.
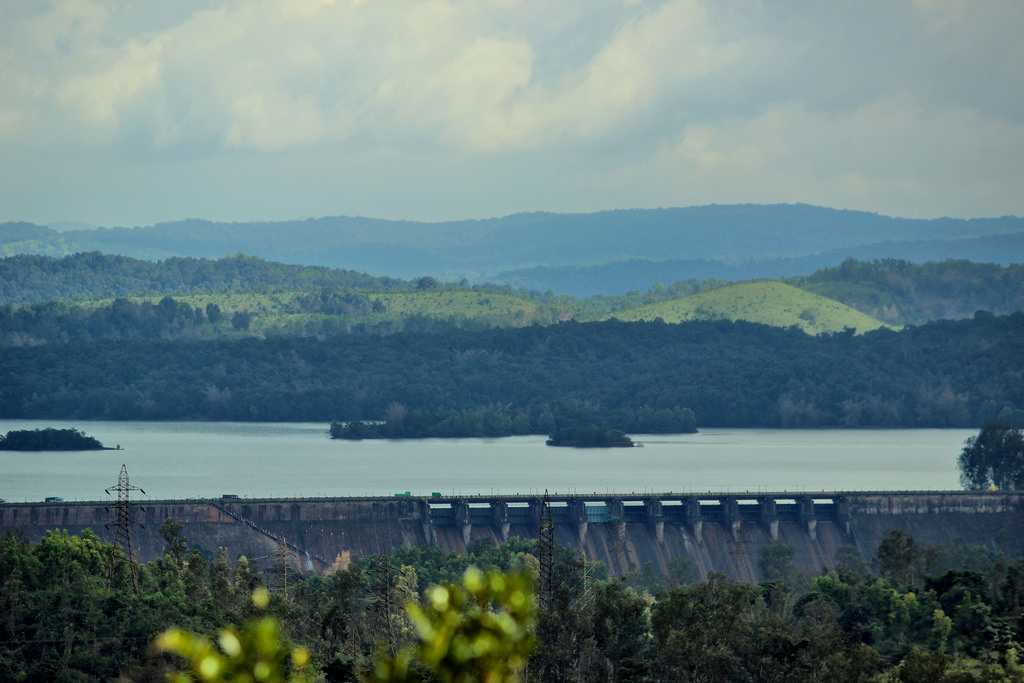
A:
{"x": 566, "y": 423}
{"x": 590, "y": 436}
{"x": 442, "y": 423}
{"x": 50, "y": 439}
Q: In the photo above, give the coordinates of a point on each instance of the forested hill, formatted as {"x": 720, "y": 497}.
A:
{"x": 36, "y": 279}
{"x": 731, "y": 233}
{"x": 961, "y": 373}
{"x": 905, "y": 293}
{"x": 617, "y": 277}
{"x": 92, "y": 297}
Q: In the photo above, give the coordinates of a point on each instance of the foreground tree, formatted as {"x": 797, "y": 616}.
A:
{"x": 993, "y": 458}
{"x": 479, "y": 630}
{"x": 899, "y": 558}
{"x": 256, "y": 652}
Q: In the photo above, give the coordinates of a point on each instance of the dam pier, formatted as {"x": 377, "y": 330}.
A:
{"x": 722, "y": 533}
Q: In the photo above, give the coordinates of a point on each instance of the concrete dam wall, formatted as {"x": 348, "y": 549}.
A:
{"x": 717, "y": 533}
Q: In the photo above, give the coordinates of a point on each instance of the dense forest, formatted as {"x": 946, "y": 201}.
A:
{"x": 906, "y": 293}
{"x": 90, "y": 276}
{"x": 946, "y": 614}
{"x": 301, "y": 314}
{"x": 951, "y": 373}
{"x": 60, "y": 323}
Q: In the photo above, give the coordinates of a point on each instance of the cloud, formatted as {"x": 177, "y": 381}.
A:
{"x": 275, "y": 73}
{"x": 916, "y": 107}
{"x": 885, "y": 155}
{"x": 99, "y": 98}
{"x": 647, "y": 59}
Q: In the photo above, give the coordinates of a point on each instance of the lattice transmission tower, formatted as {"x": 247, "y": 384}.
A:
{"x": 585, "y": 599}
{"x": 283, "y": 558}
{"x": 546, "y": 554}
{"x": 385, "y": 600}
{"x": 122, "y": 526}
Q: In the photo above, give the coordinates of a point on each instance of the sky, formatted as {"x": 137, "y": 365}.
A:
{"x": 122, "y": 112}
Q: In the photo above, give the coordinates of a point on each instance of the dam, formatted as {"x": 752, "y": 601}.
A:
{"x": 722, "y": 533}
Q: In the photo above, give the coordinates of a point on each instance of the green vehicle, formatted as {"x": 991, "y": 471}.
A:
{"x": 403, "y": 494}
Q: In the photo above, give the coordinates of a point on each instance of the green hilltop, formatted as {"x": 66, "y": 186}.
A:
{"x": 767, "y": 302}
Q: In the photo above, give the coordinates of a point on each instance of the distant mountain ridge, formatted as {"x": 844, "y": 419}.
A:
{"x": 732, "y": 234}
{"x": 619, "y": 277}
{"x": 904, "y": 293}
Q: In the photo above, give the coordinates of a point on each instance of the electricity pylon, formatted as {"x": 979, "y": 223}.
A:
{"x": 585, "y": 599}
{"x": 546, "y": 554}
{"x": 122, "y": 526}
{"x": 282, "y": 559}
{"x": 385, "y": 598}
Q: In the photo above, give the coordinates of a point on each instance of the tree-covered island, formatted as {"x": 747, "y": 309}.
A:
{"x": 49, "y": 439}
{"x": 561, "y": 420}
{"x": 590, "y": 436}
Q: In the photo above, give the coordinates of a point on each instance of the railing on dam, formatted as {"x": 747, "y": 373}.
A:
{"x": 580, "y": 509}
{"x": 554, "y": 496}
{"x": 330, "y": 527}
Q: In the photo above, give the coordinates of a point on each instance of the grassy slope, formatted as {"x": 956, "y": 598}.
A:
{"x": 768, "y": 302}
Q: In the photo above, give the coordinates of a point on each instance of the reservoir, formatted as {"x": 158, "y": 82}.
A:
{"x": 208, "y": 459}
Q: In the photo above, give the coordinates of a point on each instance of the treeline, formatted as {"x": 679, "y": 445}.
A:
{"x": 564, "y": 417}
{"x": 320, "y": 313}
{"x": 946, "y": 374}
{"x": 122, "y": 319}
{"x": 907, "y": 293}
{"x": 37, "y": 279}
{"x": 940, "y": 614}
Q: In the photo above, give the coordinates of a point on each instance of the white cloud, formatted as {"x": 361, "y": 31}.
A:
{"x": 914, "y": 107}
{"x": 888, "y": 155}
{"x": 99, "y": 98}
{"x": 273, "y": 73}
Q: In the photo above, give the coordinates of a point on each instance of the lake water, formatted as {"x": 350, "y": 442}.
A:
{"x": 203, "y": 459}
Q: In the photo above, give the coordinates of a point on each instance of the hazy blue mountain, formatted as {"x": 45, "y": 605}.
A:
{"x": 618, "y": 277}
{"x": 728, "y": 233}
{"x": 11, "y": 233}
